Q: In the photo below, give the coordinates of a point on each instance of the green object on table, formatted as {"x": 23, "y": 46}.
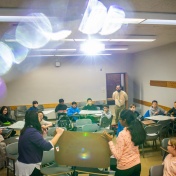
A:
{"x": 7, "y": 123}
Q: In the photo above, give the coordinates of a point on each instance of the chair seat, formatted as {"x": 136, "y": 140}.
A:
{"x": 55, "y": 170}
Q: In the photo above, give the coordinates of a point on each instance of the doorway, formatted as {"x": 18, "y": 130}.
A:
{"x": 112, "y": 80}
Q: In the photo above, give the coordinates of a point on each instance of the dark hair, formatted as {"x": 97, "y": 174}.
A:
{"x": 175, "y": 102}
{"x": 154, "y": 101}
{"x": 132, "y": 105}
{"x": 74, "y": 103}
{"x": 106, "y": 106}
{"x": 31, "y": 120}
{"x": 138, "y": 134}
{"x": 2, "y": 109}
{"x": 35, "y": 102}
{"x": 40, "y": 112}
{"x": 89, "y": 99}
{"x": 61, "y": 100}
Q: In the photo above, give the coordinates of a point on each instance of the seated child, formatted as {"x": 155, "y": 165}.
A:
{"x": 106, "y": 116}
{"x": 170, "y": 160}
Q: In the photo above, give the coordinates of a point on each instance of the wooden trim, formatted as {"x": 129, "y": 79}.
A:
{"x": 146, "y": 103}
{"x": 169, "y": 84}
{"x": 50, "y": 105}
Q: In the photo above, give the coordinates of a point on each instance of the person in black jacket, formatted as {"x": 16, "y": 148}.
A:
{"x": 61, "y": 107}
{"x": 89, "y": 105}
{"x": 172, "y": 111}
{"x": 4, "y": 115}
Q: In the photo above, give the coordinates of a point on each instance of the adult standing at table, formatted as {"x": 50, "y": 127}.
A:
{"x": 120, "y": 98}
{"x": 31, "y": 146}
{"x": 156, "y": 110}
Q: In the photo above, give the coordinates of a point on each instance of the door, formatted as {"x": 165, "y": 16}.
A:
{"x": 112, "y": 80}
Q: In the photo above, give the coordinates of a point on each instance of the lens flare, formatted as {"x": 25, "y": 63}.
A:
{"x": 84, "y": 154}
{"x": 32, "y": 33}
{"x": 93, "y": 18}
{"x": 6, "y": 58}
{"x": 59, "y": 35}
{"x": 113, "y": 21}
{"x": 3, "y": 90}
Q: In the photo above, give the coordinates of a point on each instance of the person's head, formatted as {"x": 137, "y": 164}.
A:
{"x": 133, "y": 107}
{"x": 31, "y": 120}
{"x": 138, "y": 134}
{"x": 171, "y": 147}
{"x": 35, "y": 103}
{"x": 61, "y": 101}
{"x": 106, "y": 108}
{"x": 40, "y": 116}
{"x": 175, "y": 104}
{"x": 154, "y": 103}
{"x": 74, "y": 104}
{"x": 89, "y": 101}
{"x": 4, "y": 110}
{"x": 118, "y": 88}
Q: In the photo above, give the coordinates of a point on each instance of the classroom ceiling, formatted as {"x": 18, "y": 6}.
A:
{"x": 70, "y": 14}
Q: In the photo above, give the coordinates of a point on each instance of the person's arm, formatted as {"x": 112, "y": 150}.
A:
{"x": 117, "y": 150}
{"x": 126, "y": 96}
{"x": 69, "y": 112}
{"x": 113, "y": 96}
{"x": 59, "y": 132}
{"x": 170, "y": 112}
{"x": 46, "y": 124}
{"x": 108, "y": 115}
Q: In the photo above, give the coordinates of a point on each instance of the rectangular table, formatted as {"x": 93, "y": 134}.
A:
{"x": 91, "y": 112}
{"x": 17, "y": 125}
{"x": 148, "y": 122}
{"x": 50, "y": 113}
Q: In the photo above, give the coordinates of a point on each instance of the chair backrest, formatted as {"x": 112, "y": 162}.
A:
{"x": 153, "y": 129}
{"x": 147, "y": 114}
{"x": 48, "y": 156}
{"x": 90, "y": 127}
{"x": 105, "y": 122}
{"x": 164, "y": 143}
{"x": 164, "y": 123}
{"x": 156, "y": 170}
{"x": 20, "y": 110}
{"x": 40, "y": 108}
{"x": 81, "y": 122}
{"x": 12, "y": 148}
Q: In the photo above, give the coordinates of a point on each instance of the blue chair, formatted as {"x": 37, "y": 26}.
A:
{"x": 120, "y": 128}
{"x": 147, "y": 114}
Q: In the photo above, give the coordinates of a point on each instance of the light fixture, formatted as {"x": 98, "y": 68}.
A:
{"x": 116, "y": 49}
{"x": 92, "y": 47}
{"x": 159, "y": 21}
{"x": 82, "y": 55}
{"x": 132, "y": 40}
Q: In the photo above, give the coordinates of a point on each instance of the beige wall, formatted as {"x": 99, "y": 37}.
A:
{"x": 155, "y": 64}
{"x": 76, "y": 79}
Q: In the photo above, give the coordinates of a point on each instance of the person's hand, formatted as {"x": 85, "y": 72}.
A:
{"x": 0, "y": 131}
{"x": 44, "y": 127}
{"x": 165, "y": 112}
{"x": 75, "y": 113}
{"x": 156, "y": 113}
{"x": 59, "y": 131}
{"x": 107, "y": 136}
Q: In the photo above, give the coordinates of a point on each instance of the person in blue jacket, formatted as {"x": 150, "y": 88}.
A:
{"x": 34, "y": 106}
{"x": 31, "y": 146}
{"x": 73, "y": 111}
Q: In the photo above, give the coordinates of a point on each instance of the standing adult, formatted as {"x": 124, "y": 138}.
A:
{"x": 120, "y": 98}
{"x": 31, "y": 146}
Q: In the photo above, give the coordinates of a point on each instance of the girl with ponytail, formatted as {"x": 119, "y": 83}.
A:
{"x": 126, "y": 149}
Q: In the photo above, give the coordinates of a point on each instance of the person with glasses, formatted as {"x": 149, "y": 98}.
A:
{"x": 126, "y": 148}
{"x": 170, "y": 160}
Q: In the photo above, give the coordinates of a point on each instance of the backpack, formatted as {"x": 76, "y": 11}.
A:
{"x": 64, "y": 121}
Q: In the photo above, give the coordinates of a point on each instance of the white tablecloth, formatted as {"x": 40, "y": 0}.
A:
{"x": 160, "y": 117}
{"x": 86, "y": 112}
{"x": 17, "y": 126}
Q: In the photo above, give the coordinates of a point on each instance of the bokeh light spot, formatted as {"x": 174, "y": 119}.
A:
{"x": 3, "y": 90}
{"x": 32, "y": 32}
{"x": 6, "y": 58}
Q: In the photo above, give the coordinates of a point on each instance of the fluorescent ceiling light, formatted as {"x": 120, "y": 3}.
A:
{"x": 132, "y": 20}
{"x": 10, "y": 40}
{"x": 66, "y": 49}
{"x": 157, "y": 21}
{"x": 83, "y": 40}
{"x": 82, "y": 55}
{"x": 116, "y": 49}
{"x": 41, "y": 55}
{"x": 44, "y": 49}
{"x": 132, "y": 40}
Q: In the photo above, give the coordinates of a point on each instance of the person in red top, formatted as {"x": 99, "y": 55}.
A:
{"x": 126, "y": 149}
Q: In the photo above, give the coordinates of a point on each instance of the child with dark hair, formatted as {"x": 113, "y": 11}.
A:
{"x": 73, "y": 111}
{"x": 61, "y": 107}
{"x": 31, "y": 146}
{"x": 34, "y": 106}
{"x": 172, "y": 111}
{"x": 5, "y": 116}
{"x": 89, "y": 105}
{"x": 126, "y": 149}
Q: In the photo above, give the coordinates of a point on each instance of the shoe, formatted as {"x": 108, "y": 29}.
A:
{"x": 7, "y": 133}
